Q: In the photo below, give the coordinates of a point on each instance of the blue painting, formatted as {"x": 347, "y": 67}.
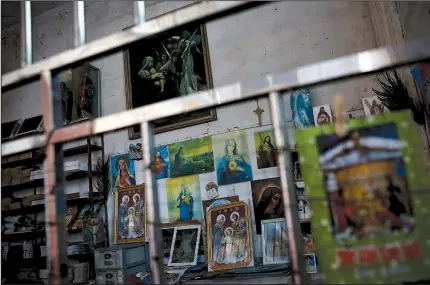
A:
{"x": 301, "y": 107}
{"x": 123, "y": 172}
{"x": 232, "y": 160}
{"x": 275, "y": 241}
{"x": 162, "y": 165}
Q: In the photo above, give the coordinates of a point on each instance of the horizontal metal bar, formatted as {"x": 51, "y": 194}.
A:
{"x": 343, "y": 67}
{"x": 119, "y": 40}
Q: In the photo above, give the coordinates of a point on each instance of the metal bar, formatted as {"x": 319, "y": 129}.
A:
{"x": 79, "y": 23}
{"x": 153, "y": 212}
{"x": 117, "y": 41}
{"x": 326, "y": 71}
{"x": 295, "y": 241}
{"x": 139, "y": 12}
{"x": 90, "y": 177}
{"x": 26, "y": 34}
{"x": 55, "y": 204}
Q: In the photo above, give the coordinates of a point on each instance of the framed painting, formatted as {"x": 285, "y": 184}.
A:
{"x": 230, "y": 243}
{"x": 173, "y": 64}
{"x": 130, "y": 215}
{"x": 122, "y": 170}
{"x": 185, "y": 246}
{"x": 366, "y": 192}
{"x": 275, "y": 241}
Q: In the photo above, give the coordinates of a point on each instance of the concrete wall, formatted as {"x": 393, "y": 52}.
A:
{"x": 271, "y": 38}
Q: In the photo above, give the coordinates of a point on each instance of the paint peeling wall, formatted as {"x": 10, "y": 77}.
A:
{"x": 271, "y": 38}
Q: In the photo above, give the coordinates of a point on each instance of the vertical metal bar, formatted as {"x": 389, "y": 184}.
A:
{"x": 139, "y": 12}
{"x": 277, "y": 108}
{"x": 26, "y": 34}
{"x": 154, "y": 231}
{"x": 79, "y": 22}
{"x": 55, "y": 204}
{"x": 90, "y": 176}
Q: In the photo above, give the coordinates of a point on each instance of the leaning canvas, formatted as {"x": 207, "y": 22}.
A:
{"x": 185, "y": 246}
{"x": 274, "y": 241}
{"x": 230, "y": 243}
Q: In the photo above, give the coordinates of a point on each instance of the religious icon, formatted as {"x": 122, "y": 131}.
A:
{"x": 71, "y": 215}
{"x": 130, "y": 215}
{"x": 229, "y": 237}
{"x": 135, "y": 151}
{"x": 162, "y": 164}
{"x": 183, "y": 199}
{"x": 373, "y": 106}
{"x": 266, "y": 150}
{"x": 67, "y": 103}
{"x": 94, "y": 232}
{"x": 86, "y": 92}
{"x": 122, "y": 169}
{"x": 171, "y": 65}
{"x": 191, "y": 157}
{"x": 311, "y": 263}
{"x": 232, "y": 157}
{"x": 267, "y": 198}
{"x": 322, "y": 115}
{"x": 301, "y": 107}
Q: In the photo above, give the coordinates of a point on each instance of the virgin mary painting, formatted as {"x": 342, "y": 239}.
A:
{"x": 233, "y": 167}
{"x": 269, "y": 207}
{"x": 123, "y": 173}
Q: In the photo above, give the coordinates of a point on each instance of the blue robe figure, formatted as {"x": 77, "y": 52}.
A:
{"x": 185, "y": 204}
{"x": 301, "y": 107}
{"x": 232, "y": 167}
{"x": 123, "y": 208}
{"x": 218, "y": 232}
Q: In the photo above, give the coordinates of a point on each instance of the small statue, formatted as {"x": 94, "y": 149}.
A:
{"x": 135, "y": 151}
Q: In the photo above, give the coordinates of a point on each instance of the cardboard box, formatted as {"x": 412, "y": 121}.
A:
{"x": 5, "y": 172}
{"x": 15, "y": 170}
{"x": 27, "y": 200}
{"x": 26, "y": 172}
{"x": 13, "y": 158}
{"x": 5, "y": 181}
{"x": 25, "y": 179}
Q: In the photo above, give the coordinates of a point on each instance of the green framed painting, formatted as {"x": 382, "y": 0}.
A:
{"x": 368, "y": 192}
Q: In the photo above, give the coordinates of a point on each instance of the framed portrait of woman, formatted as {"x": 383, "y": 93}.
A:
{"x": 130, "y": 215}
{"x": 229, "y": 237}
{"x": 267, "y": 198}
{"x": 174, "y": 64}
{"x": 122, "y": 170}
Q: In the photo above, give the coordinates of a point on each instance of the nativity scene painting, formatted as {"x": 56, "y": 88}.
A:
{"x": 130, "y": 215}
{"x": 229, "y": 237}
{"x": 183, "y": 199}
{"x": 366, "y": 184}
{"x": 232, "y": 160}
{"x": 266, "y": 150}
{"x": 122, "y": 170}
{"x": 191, "y": 157}
{"x": 171, "y": 65}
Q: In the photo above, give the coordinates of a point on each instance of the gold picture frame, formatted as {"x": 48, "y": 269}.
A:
{"x": 244, "y": 246}
{"x": 125, "y": 199}
{"x": 132, "y": 58}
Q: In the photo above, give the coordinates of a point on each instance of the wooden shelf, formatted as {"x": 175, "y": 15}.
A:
{"x": 41, "y": 207}
{"x": 7, "y": 190}
{"x": 39, "y": 159}
{"x": 23, "y": 236}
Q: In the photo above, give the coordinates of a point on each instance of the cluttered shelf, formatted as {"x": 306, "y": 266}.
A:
{"x": 7, "y": 190}
{"x": 37, "y": 157}
{"x": 27, "y": 210}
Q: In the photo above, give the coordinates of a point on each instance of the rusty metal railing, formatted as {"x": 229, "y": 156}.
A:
{"x": 54, "y": 136}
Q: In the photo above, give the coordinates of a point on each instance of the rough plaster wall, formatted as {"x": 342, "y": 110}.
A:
{"x": 415, "y": 22}
{"x": 271, "y": 38}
